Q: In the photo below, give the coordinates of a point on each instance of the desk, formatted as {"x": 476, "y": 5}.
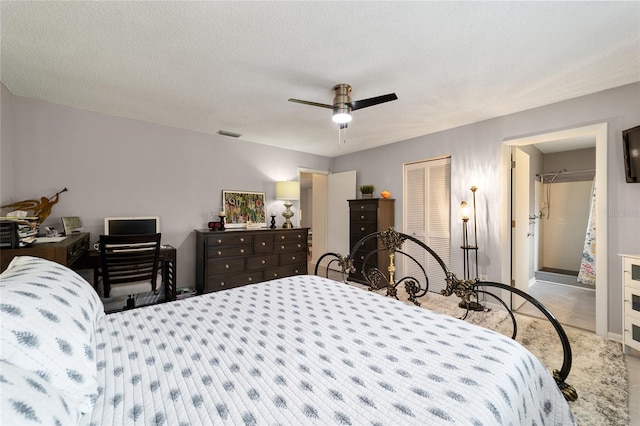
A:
{"x": 66, "y": 252}
{"x": 168, "y": 260}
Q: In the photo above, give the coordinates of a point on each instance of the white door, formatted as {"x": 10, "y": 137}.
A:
{"x": 520, "y": 224}
{"x": 341, "y": 187}
{"x": 319, "y": 217}
{"x": 427, "y": 217}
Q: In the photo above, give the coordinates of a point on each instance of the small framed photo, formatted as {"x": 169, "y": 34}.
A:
{"x": 244, "y": 209}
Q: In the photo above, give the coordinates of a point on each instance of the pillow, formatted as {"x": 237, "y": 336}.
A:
{"x": 49, "y": 315}
{"x": 27, "y": 398}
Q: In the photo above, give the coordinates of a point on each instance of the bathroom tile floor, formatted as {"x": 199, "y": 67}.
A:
{"x": 573, "y": 306}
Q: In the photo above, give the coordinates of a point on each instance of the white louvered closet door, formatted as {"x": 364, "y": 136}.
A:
{"x": 427, "y": 217}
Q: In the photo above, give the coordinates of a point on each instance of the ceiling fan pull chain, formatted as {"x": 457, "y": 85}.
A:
{"x": 342, "y": 138}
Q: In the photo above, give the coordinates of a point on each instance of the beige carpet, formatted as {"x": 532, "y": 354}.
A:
{"x": 598, "y": 371}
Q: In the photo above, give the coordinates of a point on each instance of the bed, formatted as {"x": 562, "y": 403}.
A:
{"x": 292, "y": 351}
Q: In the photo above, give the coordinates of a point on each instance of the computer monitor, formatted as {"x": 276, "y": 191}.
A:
{"x": 131, "y": 225}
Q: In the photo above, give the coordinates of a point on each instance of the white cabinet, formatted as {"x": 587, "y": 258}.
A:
{"x": 631, "y": 302}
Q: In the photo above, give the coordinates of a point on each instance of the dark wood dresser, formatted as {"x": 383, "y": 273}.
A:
{"x": 233, "y": 258}
{"x": 368, "y": 215}
{"x": 65, "y": 252}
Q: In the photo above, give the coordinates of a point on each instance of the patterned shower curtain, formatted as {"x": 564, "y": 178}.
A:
{"x": 587, "y": 273}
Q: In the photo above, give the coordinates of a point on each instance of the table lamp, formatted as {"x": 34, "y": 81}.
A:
{"x": 288, "y": 191}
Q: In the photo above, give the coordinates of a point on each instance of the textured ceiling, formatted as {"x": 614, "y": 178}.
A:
{"x": 210, "y": 66}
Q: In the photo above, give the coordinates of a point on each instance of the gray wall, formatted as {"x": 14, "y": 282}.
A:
{"x": 120, "y": 167}
{"x": 6, "y": 148}
{"x": 179, "y": 174}
{"x": 475, "y": 160}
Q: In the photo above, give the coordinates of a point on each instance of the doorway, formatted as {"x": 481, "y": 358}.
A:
{"x": 325, "y": 211}
{"x": 568, "y": 138}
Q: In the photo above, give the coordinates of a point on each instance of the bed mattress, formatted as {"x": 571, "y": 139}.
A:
{"x": 308, "y": 350}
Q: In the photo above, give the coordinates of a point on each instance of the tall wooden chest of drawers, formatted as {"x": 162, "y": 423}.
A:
{"x": 367, "y": 216}
{"x": 233, "y": 258}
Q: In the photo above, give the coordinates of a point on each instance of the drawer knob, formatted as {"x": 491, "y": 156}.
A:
{"x": 282, "y": 237}
{"x": 264, "y": 244}
{"x": 263, "y": 261}
{"x": 299, "y": 245}
{"x": 299, "y": 236}
{"x": 361, "y": 257}
{"x": 296, "y": 271}
{"x": 226, "y": 266}
{"x": 293, "y": 258}
{"x": 361, "y": 207}
{"x": 241, "y": 250}
{"x": 222, "y": 284}
{"x": 242, "y": 239}
{"x": 219, "y": 253}
{"x": 219, "y": 241}
{"x": 282, "y": 247}
{"x": 362, "y": 229}
{"x": 250, "y": 279}
{"x": 275, "y": 275}
{"x": 362, "y": 217}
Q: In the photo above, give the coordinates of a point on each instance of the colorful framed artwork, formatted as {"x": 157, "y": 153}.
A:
{"x": 244, "y": 209}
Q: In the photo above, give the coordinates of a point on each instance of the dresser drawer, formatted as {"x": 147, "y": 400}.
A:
{"x": 223, "y": 282}
{"x": 360, "y": 254}
{"x": 285, "y": 271}
{"x": 225, "y": 266}
{"x": 632, "y": 302}
{"x": 362, "y": 206}
{"x": 631, "y": 272}
{"x": 232, "y": 238}
{"x": 282, "y": 246}
{"x": 77, "y": 249}
{"x": 227, "y": 251}
{"x": 369, "y": 245}
{"x": 300, "y": 236}
{"x": 363, "y": 216}
{"x": 263, "y": 244}
{"x": 362, "y": 229}
{"x": 262, "y": 262}
{"x": 293, "y": 258}
{"x": 632, "y": 332}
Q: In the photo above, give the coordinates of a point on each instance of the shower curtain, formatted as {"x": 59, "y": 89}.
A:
{"x": 587, "y": 273}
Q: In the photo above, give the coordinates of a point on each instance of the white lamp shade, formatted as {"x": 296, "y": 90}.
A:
{"x": 464, "y": 210}
{"x": 288, "y": 190}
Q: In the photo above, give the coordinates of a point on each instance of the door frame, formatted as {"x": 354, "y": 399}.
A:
{"x": 600, "y": 131}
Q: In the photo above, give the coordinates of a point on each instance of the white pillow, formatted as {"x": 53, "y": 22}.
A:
{"x": 49, "y": 315}
{"x": 27, "y": 398}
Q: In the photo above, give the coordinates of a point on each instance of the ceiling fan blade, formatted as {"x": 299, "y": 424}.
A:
{"x": 311, "y": 103}
{"x": 364, "y": 103}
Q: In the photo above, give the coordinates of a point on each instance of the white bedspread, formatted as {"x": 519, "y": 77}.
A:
{"x": 307, "y": 350}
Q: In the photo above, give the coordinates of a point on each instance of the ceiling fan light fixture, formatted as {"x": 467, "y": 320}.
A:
{"x": 342, "y": 117}
{"x": 341, "y": 113}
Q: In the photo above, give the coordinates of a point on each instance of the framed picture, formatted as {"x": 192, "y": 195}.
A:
{"x": 244, "y": 209}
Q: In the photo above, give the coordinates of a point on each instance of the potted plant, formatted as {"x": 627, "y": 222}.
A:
{"x": 367, "y": 191}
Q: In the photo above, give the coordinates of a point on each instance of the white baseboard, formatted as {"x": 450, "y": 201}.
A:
{"x": 615, "y": 337}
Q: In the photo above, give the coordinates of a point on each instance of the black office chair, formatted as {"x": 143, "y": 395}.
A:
{"x": 129, "y": 265}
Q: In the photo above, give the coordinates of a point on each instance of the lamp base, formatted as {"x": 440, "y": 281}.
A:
{"x": 287, "y": 214}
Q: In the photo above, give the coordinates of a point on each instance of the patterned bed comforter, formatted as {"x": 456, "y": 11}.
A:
{"x": 307, "y": 350}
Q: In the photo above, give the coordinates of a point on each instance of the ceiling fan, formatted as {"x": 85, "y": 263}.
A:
{"x": 342, "y": 104}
